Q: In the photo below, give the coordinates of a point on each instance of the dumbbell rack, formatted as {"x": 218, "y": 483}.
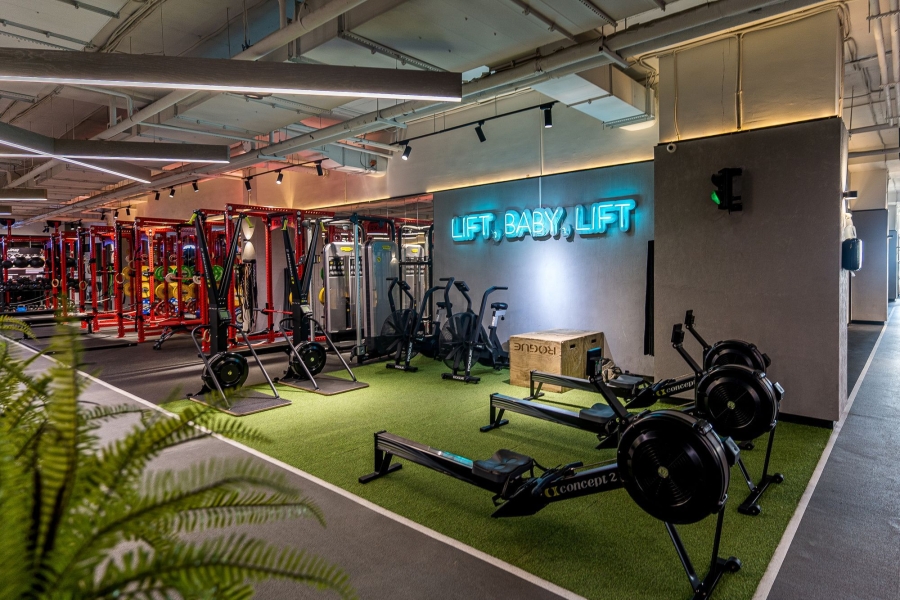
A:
{"x": 6, "y": 242}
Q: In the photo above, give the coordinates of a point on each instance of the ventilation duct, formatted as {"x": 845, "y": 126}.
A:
{"x": 605, "y": 93}
{"x": 354, "y": 161}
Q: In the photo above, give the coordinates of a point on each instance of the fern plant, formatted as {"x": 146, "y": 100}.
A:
{"x": 80, "y": 518}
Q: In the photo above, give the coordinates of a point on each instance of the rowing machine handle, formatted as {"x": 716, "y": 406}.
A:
{"x": 689, "y": 318}
{"x": 677, "y": 335}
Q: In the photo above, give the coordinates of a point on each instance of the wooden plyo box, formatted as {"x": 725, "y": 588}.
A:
{"x": 557, "y": 351}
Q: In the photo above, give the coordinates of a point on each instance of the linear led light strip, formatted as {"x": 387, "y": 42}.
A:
{"x": 76, "y": 162}
{"x": 104, "y": 157}
{"x": 224, "y": 88}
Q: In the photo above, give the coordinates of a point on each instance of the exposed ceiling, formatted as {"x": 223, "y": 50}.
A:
{"x": 465, "y": 36}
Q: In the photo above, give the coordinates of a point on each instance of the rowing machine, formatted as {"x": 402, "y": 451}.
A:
{"x": 739, "y": 402}
{"x": 672, "y": 464}
{"x": 727, "y": 352}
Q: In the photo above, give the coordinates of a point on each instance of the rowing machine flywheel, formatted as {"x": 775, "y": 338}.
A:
{"x": 740, "y": 402}
{"x": 735, "y": 352}
{"x": 674, "y": 466}
{"x": 229, "y": 368}
{"x": 313, "y": 356}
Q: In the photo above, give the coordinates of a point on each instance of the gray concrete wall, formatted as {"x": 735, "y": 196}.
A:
{"x": 770, "y": 274}
{"x": 869, "y": 285}
{"x": 596, "y": 282}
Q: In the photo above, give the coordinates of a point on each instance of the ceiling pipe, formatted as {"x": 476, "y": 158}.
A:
{"x": 265, "y": 46}
{"x": 528, "y": 10}
{"x": 882, "y": 152}
{"x": 895, "y": 51}
{"x": 873, "y": 128}
{"x": 875, "y": 9}
{"x": 643, "y": 38}
{"x": 129, "y": 101}
{"x": 646, "y": 37}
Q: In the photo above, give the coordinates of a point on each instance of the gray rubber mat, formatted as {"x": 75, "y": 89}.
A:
{"x": 87, "y": 343}
{"x": 861, "y": 338}
{"x": 385, "y": 558}
{"x": 242, "y": 406}
{"x": 847, "y": 544}
{"x": 328, "y": 386}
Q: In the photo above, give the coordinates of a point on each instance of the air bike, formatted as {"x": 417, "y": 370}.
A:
{"x": 225, "y": 371}
{"x": 671, "y": 463}
{"x": 465, "y": 342}
{"x": 407, "y": 332}
{"x": 740, "y": 402}
{"x": 306, "y": 356}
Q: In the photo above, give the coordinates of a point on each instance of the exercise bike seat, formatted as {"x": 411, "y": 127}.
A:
{"x": 598, "y": 413}
{"x": 503, "y": 465}
{"x": 499, "y": 305}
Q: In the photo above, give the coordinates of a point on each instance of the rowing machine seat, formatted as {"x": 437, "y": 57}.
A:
{"x": 499, "y": 305}
{"x": 598, "y": 413}
{"x": 503, "y": 465}
{"x": 626, "y": 382}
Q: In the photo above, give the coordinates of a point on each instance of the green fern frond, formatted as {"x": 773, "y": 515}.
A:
{"x": 15, "y": 325}
{"x": 223, "y": 562}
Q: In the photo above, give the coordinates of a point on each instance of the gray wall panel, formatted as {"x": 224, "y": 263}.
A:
{"x": 595, "y": 283}
{"x": 770, "y": 274}
{"x": 869, "y": 285}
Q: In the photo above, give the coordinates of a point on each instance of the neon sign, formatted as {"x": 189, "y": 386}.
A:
{"x": 541, "y": 223}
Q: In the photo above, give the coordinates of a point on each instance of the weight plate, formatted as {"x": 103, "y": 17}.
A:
{"x": 159, "y": 273}
{"x": 218, "y": 272}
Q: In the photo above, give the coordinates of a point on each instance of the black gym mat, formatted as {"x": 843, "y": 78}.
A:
{"x": 328, "y": 386}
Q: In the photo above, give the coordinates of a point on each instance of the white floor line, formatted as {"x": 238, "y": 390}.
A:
{"x": 496, "y": 562}
{"x": 768, "y": 579}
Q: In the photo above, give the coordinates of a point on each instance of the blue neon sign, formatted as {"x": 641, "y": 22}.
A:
{"x": 541, "y": 223}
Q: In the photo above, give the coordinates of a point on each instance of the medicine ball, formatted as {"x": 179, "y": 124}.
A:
{"x": 7, "y": 264}
{"x": 20, "y": 262}
{"x": 36, "y": 262}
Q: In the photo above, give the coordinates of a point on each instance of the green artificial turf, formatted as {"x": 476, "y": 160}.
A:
{"x": 600, "y": 546}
